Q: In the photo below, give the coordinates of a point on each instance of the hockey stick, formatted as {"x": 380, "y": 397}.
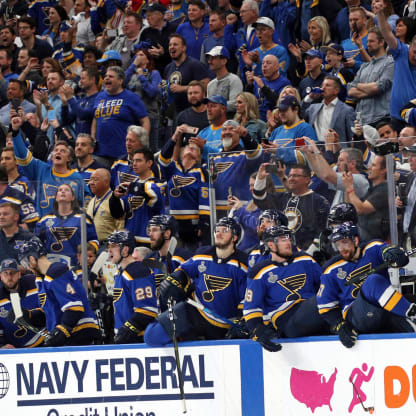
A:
{"x": 366, "y": 409}
{"x": 176, "y": 349}
{"x": 19, "y": 319}
{"x": 202, "y": 308}
{"x": 382, "y": 266}
{"x": 171, "y": 250}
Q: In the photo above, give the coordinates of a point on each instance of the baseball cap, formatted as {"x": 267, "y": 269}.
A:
{"x": 217, "y": 99}
{"x": 333, "y": 47}
{"x": 287, "y": 102}
{"x": 314, "y": 53}
{"x": 231, "y": 123}
{"x": 9, "y": 264}
{"x": 110, "y": 55}
{"x": 265, "y": 21}
{"x": 219, "y": 51}
{"x": 156, "y": 7}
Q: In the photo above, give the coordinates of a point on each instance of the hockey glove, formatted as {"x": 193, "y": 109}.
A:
{"x": 128, "y": 334}
{"x": 264, "y": 334}
{"x": 58, "y": 336}
{"x": 395, "y": 256}
{"x": 239, "y": 330}
{"x": 171, "y": 288}
{"x": 346, "y": 333}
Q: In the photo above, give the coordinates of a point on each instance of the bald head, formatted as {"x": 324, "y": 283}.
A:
{"x": 270, "y": 67}
{"x": 100, "y": 182}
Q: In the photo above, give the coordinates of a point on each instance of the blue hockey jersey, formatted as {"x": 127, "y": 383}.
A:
{"x": 46, "y": 179}
{"x": 134, "y": 296}
{"x": 219, "y": 283}
{"x": 274, "y": 288}
{"x": 334, "y": 297}
{"x": 60, "y": 293}
{"x": 62, "y": 236}
{"x": 10, "y": 333}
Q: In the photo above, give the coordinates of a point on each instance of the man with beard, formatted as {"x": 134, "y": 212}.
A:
{"x": 134, "y": 296}
{"x": 305, "y": 209}
{"x": 139, "y": 199}
{"x": 368, "y": 306}
{"x": 219, "y": 276}
{"x": 283, "y": 290}
{"x": 268, "y": 218}
{"x": 161, "y": 229}
{"x": 196, "y": 114}
{"x": 69, "y": 318}
{"x": 234, "y": 165}
{"x": 13, "y": 335}
{"x": 371, "y": 87}
{"x": 181, "y": 71}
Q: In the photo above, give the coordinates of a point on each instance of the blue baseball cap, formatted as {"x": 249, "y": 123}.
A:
{"x": 219, "y": 51}
{"x": 9, "y": 264}
{"x": 217, "y": 99}
{"x": 314, "y": 53}
{"x": 109, "y": 56}
{"x": 65, "y": 26}
{"x": 286, "y": 102}
{"x": 333, "y": 47}
{"x": 156, "y": 7}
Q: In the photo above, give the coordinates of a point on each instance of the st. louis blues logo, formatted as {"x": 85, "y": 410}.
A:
{"x": 61, "y": 234}
{"x": 179, "y": 182}
{"x": 293, "y": 284}
{"x": 214, "y": 284}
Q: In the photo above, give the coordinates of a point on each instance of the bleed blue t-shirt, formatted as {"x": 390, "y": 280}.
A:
{"x": 114, "y": 114}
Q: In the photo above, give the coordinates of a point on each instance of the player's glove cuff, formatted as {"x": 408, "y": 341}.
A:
{"x": 58, "y": 336}
{"x": 128, "y": 334}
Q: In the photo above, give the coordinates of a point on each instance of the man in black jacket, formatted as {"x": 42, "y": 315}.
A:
{"x": 306, "y": 210}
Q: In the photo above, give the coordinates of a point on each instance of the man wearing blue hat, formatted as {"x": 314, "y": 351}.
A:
{"x": 226, "y": 84}
{"x": 13, "y": 335}
{"x": 315, "y": 77}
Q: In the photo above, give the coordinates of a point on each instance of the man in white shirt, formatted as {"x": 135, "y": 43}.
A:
{"x": 331, "y": 113}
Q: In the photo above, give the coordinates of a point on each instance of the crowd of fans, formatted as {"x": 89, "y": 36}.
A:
{"x": 276, "y": 116}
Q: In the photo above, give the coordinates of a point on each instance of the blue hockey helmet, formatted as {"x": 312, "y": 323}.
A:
{"x": 275, "y": 231}
{"x": 273, "y": 215}
{"x": 231, "y": 224}
{"x": 33, "y": 247}
{"x": 123, "y": 238}
{"x": 165, "y": 222}
{"x": 343, "y": 212}
{"x": 345, "y": 230}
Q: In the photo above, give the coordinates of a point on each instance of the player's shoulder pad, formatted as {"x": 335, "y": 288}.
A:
{"x": 183, "y": 253}
{"x": 258, "y": 267}
{"x": 241, "y": 256}
{"x": 331, "y": 261}
{"x": 205, "y": 250}
{"x": 27, "y": 282}
{"x": 136, "y": 270}
{"x": 367, "y": 245}
{"x": 302, "y": 255}
{"x": 56, "y": 270}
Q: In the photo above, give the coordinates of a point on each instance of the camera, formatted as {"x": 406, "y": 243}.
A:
{"x": 386, "y": 148}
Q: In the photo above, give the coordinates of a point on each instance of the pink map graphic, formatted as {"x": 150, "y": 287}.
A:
{"x": 311, "y": 388}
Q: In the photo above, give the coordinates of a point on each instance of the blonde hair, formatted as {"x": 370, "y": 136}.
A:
{"x": 323, "y": 24}
{"x": 297, "y": 95}
{"x": 252, "y": 107}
